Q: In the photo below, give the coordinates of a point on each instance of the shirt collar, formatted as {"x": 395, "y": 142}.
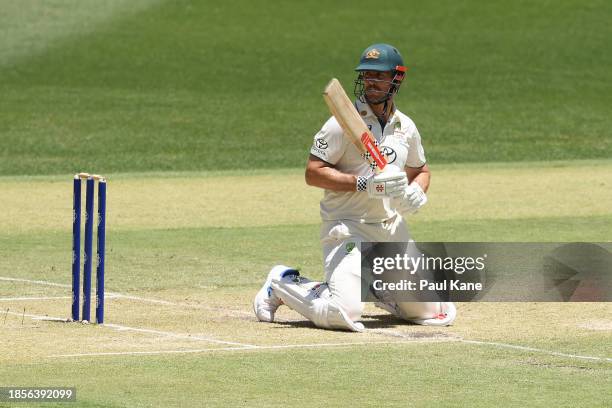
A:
{"x": 366, "y": 112}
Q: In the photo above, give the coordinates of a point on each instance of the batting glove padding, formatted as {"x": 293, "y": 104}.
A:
{"x": 383, "y": 185}
{"x": 413, "y": 198}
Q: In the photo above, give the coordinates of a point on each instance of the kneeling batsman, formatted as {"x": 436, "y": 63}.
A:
{"x": 359, "y": 206}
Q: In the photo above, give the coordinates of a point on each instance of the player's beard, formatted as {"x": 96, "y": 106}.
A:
{"x": 382, "y": 96}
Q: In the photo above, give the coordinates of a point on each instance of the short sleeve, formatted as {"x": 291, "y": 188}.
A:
{"x": 329, "y": 144}
{"x": 416, "y": 153}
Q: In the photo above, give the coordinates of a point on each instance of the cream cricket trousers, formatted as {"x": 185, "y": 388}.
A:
{"x": 342, "y": 258}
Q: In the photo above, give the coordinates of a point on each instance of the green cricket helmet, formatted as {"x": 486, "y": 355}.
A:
{"x": 382, "y": 58}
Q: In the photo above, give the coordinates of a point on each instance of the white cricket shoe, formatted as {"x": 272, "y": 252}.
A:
{"x": 266, "y": 302}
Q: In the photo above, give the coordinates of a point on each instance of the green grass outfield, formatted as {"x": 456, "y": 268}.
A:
{"x": 201, "y": 115}
{"x": 188, "y": 85}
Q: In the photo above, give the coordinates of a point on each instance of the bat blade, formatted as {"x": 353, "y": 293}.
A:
{"x": 353, "y": 125}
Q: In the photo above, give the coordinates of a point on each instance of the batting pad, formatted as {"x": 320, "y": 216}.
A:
{"x": 314, "y": 301}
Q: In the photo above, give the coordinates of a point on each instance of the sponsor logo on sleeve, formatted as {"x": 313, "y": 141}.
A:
{"x": 319, "y": 148}
{"x": 321, "y": 144}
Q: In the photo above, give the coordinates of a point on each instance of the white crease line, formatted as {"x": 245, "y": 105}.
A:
{"x": 63, "y": 285}
{"x": 116, "y": 295}
{"x": 37, "y": 282}
{"x": 34, "y": 317}
{"x": 255, "y": 348}
{"x": 147, "y": 300}
{"x": 175, "y": 335}
{"x": 136, "y": 329}
{"x": 495, "y": 344}
{"x": 535, "y": 350}
{"x": 15, "y": 299}
{"x": 168, "y": 303}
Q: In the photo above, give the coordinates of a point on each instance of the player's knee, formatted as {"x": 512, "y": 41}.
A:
{"x": 354, "y": 310}
{"x": 418, "y": 310}
{"x": 428, "y": 313}
{"x": 330, "y": 314}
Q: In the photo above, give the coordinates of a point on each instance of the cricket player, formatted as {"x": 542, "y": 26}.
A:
{"x": 359, "y": 206}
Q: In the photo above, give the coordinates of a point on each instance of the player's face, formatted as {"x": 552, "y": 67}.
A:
{"x": 376, "y": 83}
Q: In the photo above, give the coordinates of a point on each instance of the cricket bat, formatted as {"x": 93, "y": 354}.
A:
{"x": 354, "y": 127}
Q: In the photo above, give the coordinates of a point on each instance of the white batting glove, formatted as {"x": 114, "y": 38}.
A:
{"x": 413, "y": 198}
{"x": 383, "y": 185}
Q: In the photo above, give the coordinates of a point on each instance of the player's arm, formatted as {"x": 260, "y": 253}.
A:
{"x": 321, "y": 174}
{"x": 420, "y": 175}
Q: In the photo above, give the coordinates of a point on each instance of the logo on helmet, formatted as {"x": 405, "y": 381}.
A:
{"x": 373, "y": 54}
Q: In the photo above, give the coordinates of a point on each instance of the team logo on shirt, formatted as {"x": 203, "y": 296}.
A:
{"x": 397, "y": 130}
{"x": 321, "y": 144}
{"x": 389, "y": 153}
{"x": 349, "y": 247}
